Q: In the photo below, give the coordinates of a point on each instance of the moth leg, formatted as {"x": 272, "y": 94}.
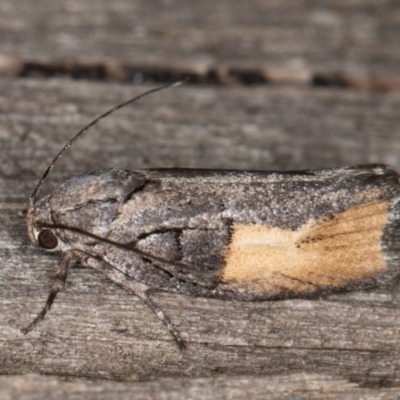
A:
{"x": 160, "y": 314}
{"x": 137, "y": 288}
{"x": 141, "y": 291}
{"x": 58, "y": 284}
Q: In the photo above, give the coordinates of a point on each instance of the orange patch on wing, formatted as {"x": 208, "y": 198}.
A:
{"x": 326, "y": 252}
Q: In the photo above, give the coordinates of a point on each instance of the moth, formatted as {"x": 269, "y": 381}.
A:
{"x": 222, "y": 234}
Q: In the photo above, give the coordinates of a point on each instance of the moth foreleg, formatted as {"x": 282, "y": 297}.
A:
{"x": 58, "y": 284}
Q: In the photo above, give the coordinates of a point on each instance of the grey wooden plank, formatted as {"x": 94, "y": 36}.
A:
{"x": 292, "y": 386}
{"x": 345, "y": 36}
{"x": 97, "y": 330}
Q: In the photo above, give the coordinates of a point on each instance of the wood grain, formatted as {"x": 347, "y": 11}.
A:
{"x": 299, "y": 386}
{"x": 291, "y": 39}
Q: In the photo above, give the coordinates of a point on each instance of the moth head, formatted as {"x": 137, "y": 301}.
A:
{"x": 85, "y": 203}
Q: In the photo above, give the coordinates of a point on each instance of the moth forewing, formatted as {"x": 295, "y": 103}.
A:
{"x": 250, "y": 235}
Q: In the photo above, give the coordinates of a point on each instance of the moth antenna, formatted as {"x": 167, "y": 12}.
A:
{"x": 33, "y": 198}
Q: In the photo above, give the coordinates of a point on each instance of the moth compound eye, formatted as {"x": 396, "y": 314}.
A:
{"x": 47, "y": 239}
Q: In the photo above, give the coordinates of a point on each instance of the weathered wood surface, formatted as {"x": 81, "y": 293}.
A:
{"x": 289, "y": 40}
{"x": 298, "y": 386}
{"x": 97, "y": 330}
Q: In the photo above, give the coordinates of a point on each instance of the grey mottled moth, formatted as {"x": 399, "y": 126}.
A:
{"x": 223, "y": 234}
